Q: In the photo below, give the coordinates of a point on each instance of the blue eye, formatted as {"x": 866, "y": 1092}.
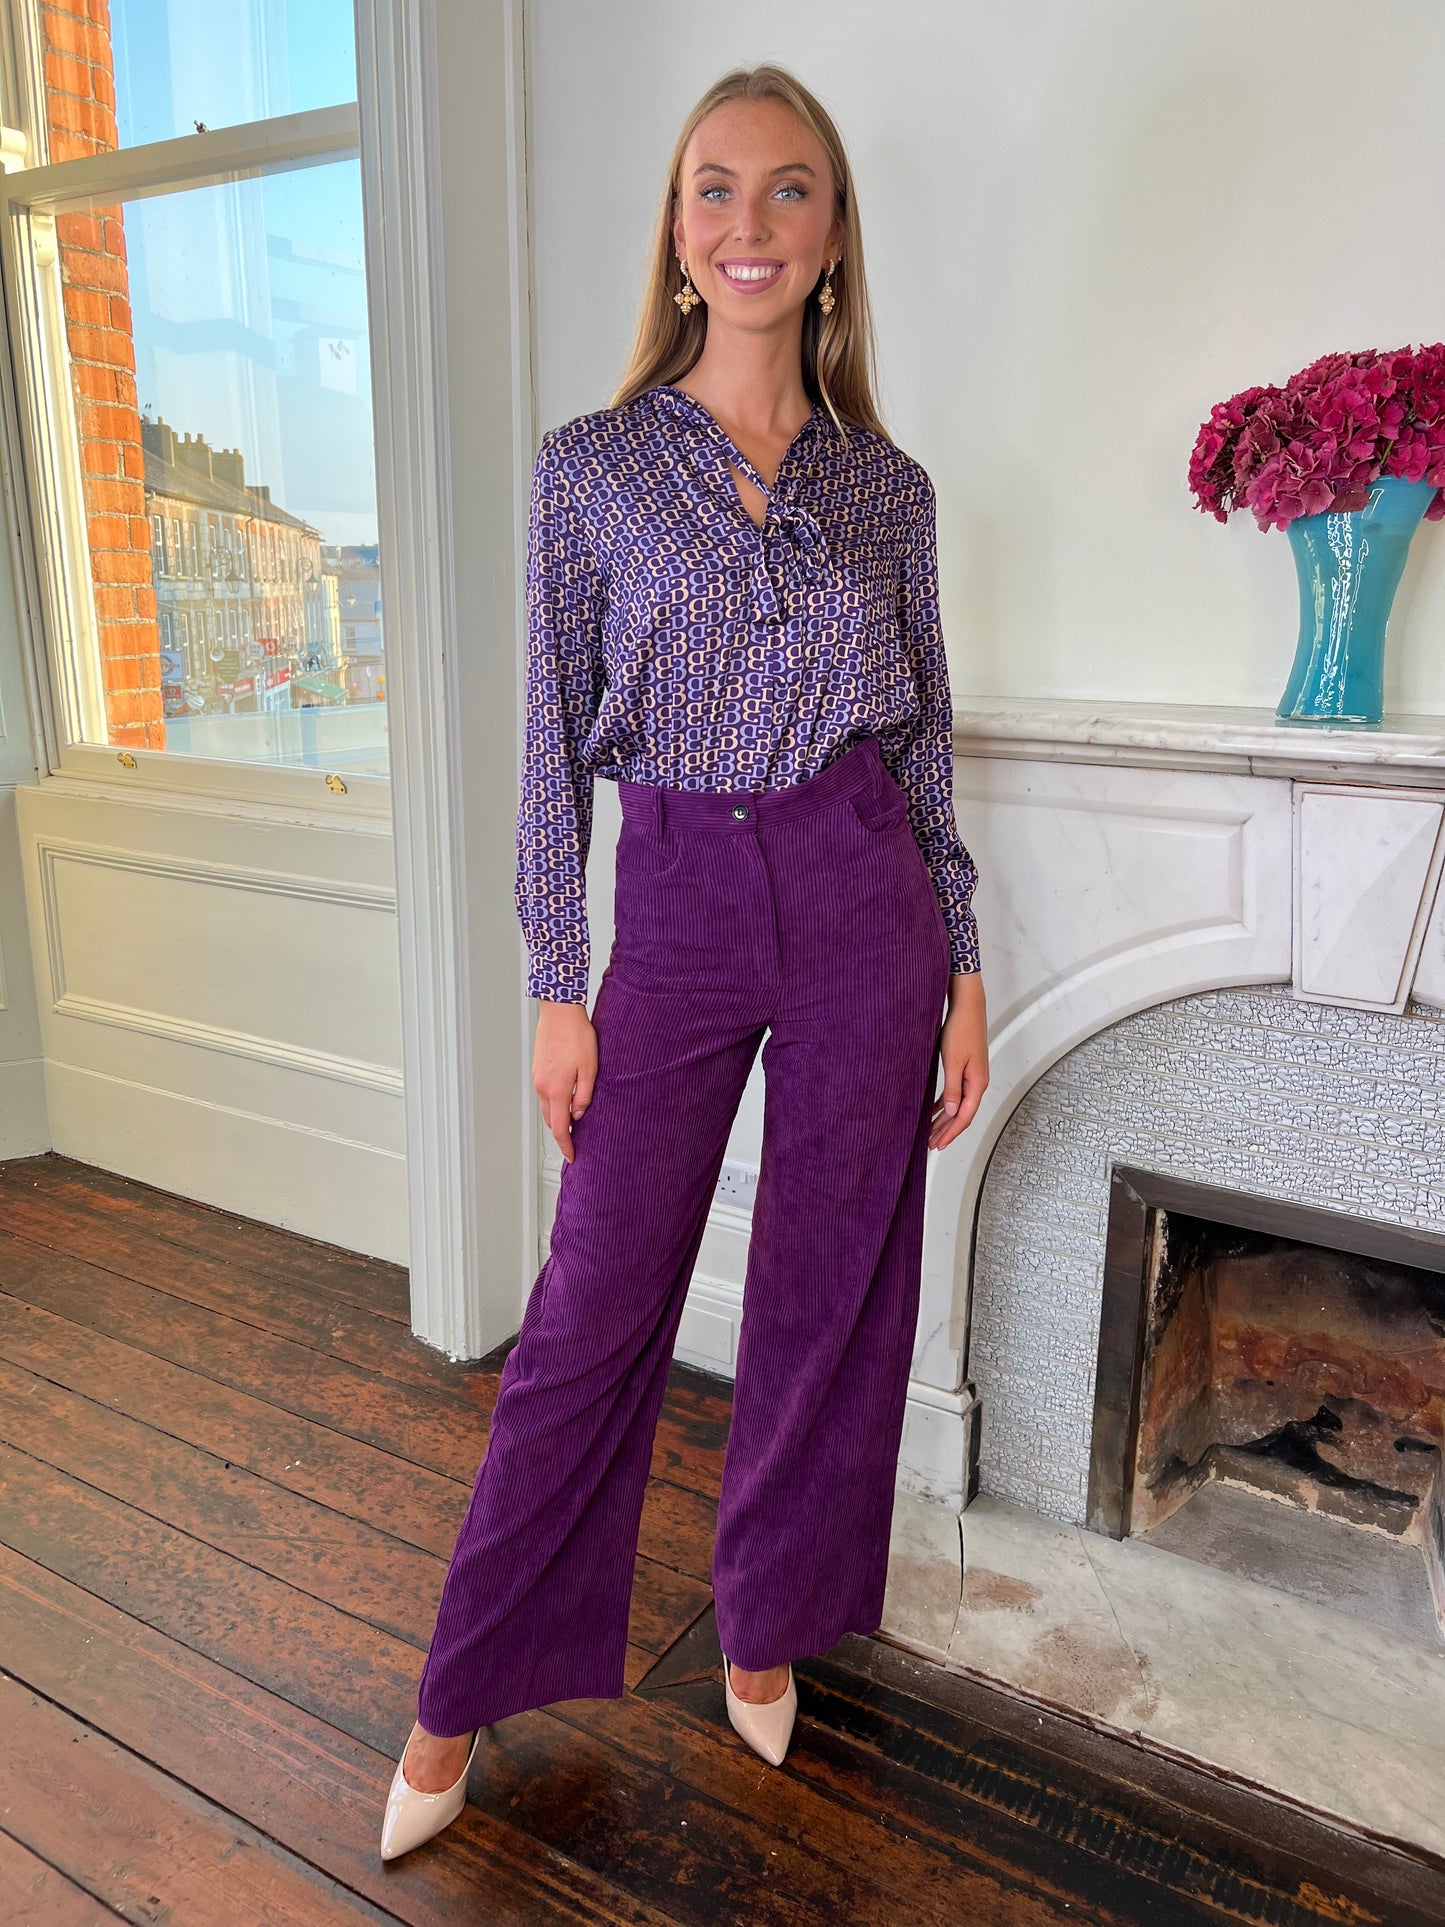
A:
{"x": 792, "y": 188}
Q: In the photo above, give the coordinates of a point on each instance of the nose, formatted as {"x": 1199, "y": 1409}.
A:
{"x": 752, "y": 223}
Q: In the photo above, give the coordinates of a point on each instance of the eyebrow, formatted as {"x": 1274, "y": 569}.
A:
{"x": 716, "y": 167}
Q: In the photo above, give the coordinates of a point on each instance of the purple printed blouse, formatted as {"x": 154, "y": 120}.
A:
{"x": 671, "y": 640}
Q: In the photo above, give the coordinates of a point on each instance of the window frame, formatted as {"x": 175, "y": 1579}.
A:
{"x": 42, "y": 449}
{"x": 444, "y": 109}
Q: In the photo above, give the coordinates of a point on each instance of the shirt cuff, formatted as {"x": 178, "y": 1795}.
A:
{"x": 963, "y": 946}
{"x": 558, "y": 979}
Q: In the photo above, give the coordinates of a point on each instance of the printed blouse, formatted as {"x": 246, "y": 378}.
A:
{"x": 672, "y": 640}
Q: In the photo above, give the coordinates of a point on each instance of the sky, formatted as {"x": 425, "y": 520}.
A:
{"x": 249, "y": 299}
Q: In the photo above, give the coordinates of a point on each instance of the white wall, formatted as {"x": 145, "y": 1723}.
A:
{"x": 1086, "y": 222}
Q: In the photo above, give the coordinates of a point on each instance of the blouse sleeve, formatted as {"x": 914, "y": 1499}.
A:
{"x": 565, "y": 684}
{"x": 921, "y": 759}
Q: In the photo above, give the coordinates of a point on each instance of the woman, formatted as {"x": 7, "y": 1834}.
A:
{"x": 733, "y": 615}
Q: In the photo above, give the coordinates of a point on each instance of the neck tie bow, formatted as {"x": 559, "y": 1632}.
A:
{"x": 791, "y": 547}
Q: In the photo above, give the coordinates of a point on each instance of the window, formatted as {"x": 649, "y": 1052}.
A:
{"x": 186, "y": 278}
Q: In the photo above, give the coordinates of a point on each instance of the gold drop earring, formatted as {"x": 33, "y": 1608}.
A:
{"x": 826, "y": 297}
{"x": 688, "y": 298}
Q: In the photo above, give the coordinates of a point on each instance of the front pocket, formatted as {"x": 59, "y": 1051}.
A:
{"x": 645, "y": 856}
{"x": 880, "y": 809}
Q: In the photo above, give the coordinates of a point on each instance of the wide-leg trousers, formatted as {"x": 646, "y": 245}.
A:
{"x": 803, "y": 920}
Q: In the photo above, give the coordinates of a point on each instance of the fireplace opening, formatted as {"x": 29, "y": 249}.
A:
{"x": 1270, "y": 1395}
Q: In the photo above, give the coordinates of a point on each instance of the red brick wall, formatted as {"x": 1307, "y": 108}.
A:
{"x": 80, "y": 116}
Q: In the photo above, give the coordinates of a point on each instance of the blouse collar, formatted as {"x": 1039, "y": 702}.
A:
{"x": 678, "y": 402}
{"x": 791, "y": 545}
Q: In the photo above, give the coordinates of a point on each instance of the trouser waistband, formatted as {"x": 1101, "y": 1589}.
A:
{"x": 744, "y": 811}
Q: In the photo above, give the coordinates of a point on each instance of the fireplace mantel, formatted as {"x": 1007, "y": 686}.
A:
{"x": 1130, "y": 854}
{"x": 1199, "y": 736}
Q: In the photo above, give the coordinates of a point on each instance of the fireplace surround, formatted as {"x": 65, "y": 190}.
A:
{"x": 1216, "y": 958}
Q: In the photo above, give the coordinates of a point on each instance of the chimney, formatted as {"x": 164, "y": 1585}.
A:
{"x": 159, "y": 438}
{"x": 228, "y": 465}
{"x": 195, "y": 452}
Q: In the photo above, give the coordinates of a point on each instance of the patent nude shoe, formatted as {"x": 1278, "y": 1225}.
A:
{"x": 766, "y": 1728}
{"x": 413, "y": 1817}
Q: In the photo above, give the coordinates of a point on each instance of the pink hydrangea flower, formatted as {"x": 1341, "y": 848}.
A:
{"x": 1326, "y": 437}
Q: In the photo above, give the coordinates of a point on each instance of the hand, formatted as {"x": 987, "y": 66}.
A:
{"x": 963, "y": 1049}
{"x": 564, "y": 1068}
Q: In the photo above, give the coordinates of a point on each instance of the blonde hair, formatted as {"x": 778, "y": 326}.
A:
{"x": 840, "y": 349}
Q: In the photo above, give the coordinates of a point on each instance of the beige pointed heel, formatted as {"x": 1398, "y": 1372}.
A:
{"x": 766, "y": 1728}
{"x": 413, "y": 1817}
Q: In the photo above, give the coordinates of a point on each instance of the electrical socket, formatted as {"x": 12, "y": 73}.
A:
{"x": 737, "y": 1185}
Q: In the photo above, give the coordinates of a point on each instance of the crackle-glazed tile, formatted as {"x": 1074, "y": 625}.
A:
{"x": 1245, "y": 1088}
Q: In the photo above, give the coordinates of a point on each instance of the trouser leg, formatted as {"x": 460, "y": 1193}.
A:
{"x": 535, "y": 1604}
{"x": 828, "y": 1331}
{"x": 832, "y": 1289}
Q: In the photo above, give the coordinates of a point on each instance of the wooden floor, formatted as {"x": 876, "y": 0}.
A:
{"x": 230, "y": 1480}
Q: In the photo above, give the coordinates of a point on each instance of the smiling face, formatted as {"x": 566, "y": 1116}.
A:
{"x": 755, "y": 221}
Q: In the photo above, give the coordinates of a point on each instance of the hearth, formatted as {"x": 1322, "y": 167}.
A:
{"x": 1256, "y": 1354}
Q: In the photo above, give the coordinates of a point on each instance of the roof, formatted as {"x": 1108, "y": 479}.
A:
{"x": 182, "y": 483}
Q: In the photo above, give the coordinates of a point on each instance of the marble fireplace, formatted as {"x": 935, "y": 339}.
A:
{"x": 1178, "y": 1405}
{"x": 1218, "y": 954}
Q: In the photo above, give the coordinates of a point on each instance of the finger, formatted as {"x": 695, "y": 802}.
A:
{"x": 562, "y": 1132}
{"x": 975, "y": 1083}
{"x": 557, "y": 1121}
{"x": 946, "y": 1125}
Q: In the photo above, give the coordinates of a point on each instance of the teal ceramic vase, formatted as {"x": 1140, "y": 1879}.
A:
{"x": 1349, "y": 566}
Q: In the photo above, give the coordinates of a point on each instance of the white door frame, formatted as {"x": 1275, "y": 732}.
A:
{"x": 442, "y": 94}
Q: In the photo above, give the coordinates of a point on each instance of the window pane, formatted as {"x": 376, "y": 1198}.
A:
{"x": 219, "y": 382}
{"x": 163, "y": 65}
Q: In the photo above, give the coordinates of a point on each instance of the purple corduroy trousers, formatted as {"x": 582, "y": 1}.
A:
{"x": 802, "y": 919}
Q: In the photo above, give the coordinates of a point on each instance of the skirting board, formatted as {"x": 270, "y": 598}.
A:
{"x": 24, "y": 1128}
{"x": 319, "y": 1184}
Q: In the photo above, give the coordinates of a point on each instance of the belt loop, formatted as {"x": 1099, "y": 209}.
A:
{"x": 659, "y": 812}
{"x": 877, "y": 775}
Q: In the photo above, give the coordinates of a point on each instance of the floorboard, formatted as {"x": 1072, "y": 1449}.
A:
{"x": 33, "y": 1894}
{"x": 230, "y": 1479}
